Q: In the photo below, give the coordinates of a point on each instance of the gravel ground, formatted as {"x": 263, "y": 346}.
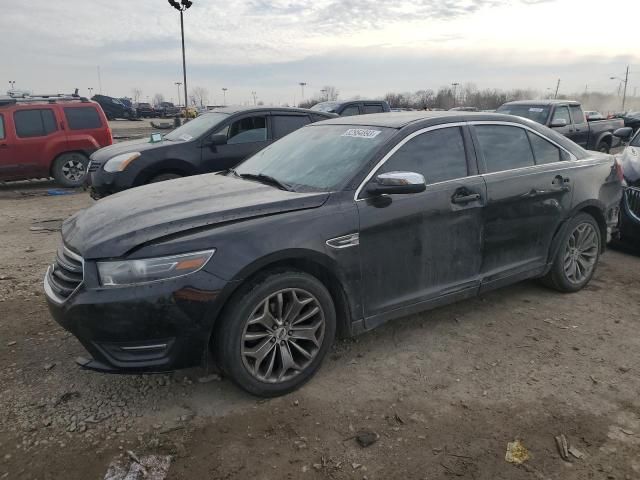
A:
{"x": 442, "y": 392}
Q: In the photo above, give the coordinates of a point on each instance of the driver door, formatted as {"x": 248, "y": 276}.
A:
{"x": 246, "y": 136}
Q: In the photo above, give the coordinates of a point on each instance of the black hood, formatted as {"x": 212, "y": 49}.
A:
{"x": 121, "y": 222}
{"x": 139, "y": 145}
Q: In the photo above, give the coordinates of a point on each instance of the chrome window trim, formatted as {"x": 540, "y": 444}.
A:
{"x": 397, "y": 147}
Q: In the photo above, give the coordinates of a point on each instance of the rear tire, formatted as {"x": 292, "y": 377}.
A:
{"x": 70, "y": 169}
{"x": 578, "y": 255}
{"x": 275, "y": 333}
{"x": 163, "y": 177}
{"x": 604, "y": 147}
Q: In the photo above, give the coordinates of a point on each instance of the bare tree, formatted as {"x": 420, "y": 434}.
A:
{"x": 330, "y": 93}
{"x": 200, "y": 96}
{"x": 158, "y": 98}
{"x": 136, "y": 93}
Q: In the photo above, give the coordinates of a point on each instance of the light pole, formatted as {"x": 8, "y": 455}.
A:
{"x": 224, "y": 95}
{"x": 324, "y": 94}
{"x": 625, "y": 81}
{"x": 12, "y": 84}
{"x": 455, "y": 89}
{"x": 253, "y": 94}
{"x": 178, "y": 84}
{"x": 557, "y": 88}
{"x": 90, "y": 91}
{"x": 182, "y": 7}
{"x": 302, "y": 85}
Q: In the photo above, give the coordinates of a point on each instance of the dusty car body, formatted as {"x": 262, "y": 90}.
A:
{"x": 338, "y": 227}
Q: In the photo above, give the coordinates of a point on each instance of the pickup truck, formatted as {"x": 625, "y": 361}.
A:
{"x": 568, "y": 119}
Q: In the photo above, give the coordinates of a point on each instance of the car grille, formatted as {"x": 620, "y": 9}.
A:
{"x": 65, "y": 276}
{"x": 632, "y": 199}
{"x": 94, "y": 166}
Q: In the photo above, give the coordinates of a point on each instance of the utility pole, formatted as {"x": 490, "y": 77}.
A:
{"x": 455, "y": 89}
{"x": 557, "y": 88}
{"x": 99, "y": 81}
{"x": 178, "y": 84}
{"x": 325, "y": 96}
{"x": 302, "y": 85}
{"x": 12, "y": 84}
{"x": 224, "y": 95}
{"x": 183, "y": 6}
{"x": 255, "y": 101}
{"x": 626, "y": 81}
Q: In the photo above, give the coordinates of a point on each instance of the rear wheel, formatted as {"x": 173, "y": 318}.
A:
{"x": 164, "y": 177}
{"x": 578, "y": 256}
{"x": 275, "y": 333}
{"x": 70, "y": 169}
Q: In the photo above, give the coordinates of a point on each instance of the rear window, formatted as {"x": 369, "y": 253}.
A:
{"x": 34, "y": 123}
{"x": 82, "y": 118}
{"x": 577, "y": 114}
{"x": 537, "y": 113}
{"x": 1, "y": 127}
{"x": 504, "y": 147}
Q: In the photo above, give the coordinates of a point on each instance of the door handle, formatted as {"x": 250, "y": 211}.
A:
{"x": 466, "y": 198}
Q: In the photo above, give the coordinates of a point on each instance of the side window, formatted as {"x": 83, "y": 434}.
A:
{"x": 1, "y": 127}
{"x": 504, "y": 147}
{"x": 248, "y": 130}
{"x": 439, "y": 155}
{"x": 577, "y": 114}
{"x": 373, "y": 108}
{"x": 82, "y": 118}
{"x": 561, "y": 113}
{"x": 350, "y": 111}
{"x": 285, "y": 124}
{"x": 34, "y": 123}
{"x": 544, "y": 151}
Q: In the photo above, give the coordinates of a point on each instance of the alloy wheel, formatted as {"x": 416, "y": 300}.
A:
{"x": 581, "y": 253}
{"x": 73, "y": 170}
{"x": 283, "y": 335}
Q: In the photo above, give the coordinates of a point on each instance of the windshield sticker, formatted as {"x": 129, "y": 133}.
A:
{"x": 537, "y": 110}
{"x": 185, "y": 137}
{"x": 361, "y": 133}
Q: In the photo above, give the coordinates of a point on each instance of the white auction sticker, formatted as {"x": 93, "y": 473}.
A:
{"x": 538, "y": 110}
{"x": 361, "y": 133}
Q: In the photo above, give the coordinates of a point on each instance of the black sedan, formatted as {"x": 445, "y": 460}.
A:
{"x": 338, "y": 227}
{"x": 209, "y": 143}
{"x": 629, "y": 228}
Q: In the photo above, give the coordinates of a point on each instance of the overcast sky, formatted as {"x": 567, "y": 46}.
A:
{"x": 363, "y": 47}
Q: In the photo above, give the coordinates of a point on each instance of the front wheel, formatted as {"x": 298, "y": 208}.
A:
{"x": 70, "y": 169}
{"x": 275, "y": 333}
{"x": 578, "y": 256}
{"x": 604, "y": 147}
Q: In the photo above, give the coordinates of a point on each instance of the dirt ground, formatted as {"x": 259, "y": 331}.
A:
{"x": 445, "y": 391}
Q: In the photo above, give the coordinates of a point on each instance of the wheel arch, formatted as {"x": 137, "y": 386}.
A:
{"x": 177, "y": 166}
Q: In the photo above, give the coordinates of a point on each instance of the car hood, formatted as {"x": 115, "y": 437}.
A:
{"x": 119, "y": 223}
{"x": 138, "y": 145}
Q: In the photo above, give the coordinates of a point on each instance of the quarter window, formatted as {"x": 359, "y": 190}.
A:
{"x": 285, "y": 124}
{"x": 82, "y": 118}
{"x": 504, "y": 147}
{"x": 350, "y": 111}
{"x": 1, "y": 127}
{"x": 561, "y": 113}
{"x": 544, "y": 151}
{"x": 439, "y": 155}
{"x": 248, "y": 130}
{"x": 34, "y": 123}
{"x": 577, "y": 114}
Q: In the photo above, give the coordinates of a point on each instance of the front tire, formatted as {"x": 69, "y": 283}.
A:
{"x": 275, "y": 333}
{"x": 70, "y": 169}
{"x": 604, "y": 147}
{"x": 578, "y": 256}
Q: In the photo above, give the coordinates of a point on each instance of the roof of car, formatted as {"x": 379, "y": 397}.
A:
{"x": 543, "y": 102}
{"x": 402, "y": 119}
{"x": 243, "y": 109}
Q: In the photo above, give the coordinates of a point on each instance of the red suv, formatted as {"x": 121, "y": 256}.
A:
{"x": 50, "y": 136}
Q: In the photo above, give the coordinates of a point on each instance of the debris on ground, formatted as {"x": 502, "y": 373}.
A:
{"x": 214, "y": 377}
{"x": 516, "y": 453}
{"x": 563, "y": 449}
{"x": 575, "y": 452}
{"x": 367, "y": 438}
{"x": 149, "y": 467}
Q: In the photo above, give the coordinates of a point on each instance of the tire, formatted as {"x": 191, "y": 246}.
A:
{"x": 164, "y": 177}
{"x": 578, "y": 255}
{"x": 603, "y": 147}
{"x": 243, "y": 332}
{"x": 70, "y": 169}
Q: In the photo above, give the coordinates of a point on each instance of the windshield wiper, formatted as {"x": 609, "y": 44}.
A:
{"x": 267, "y": 179}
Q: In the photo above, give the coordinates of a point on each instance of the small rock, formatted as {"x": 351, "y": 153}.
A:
{"x": 121, "y": 429}
{"x": 356, "y": 466}
{"x": 296, "y": 403}
{"x": 367, "y": 438}
{"x": 214, "y": 377}
{"x": 304, "y": 469}
{"x": 624, "y": 368}
{"x": 49, "y": 366}
{"x": 11, "y": 344}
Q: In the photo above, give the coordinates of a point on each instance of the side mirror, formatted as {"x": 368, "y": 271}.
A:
{"x": 558, "y": 122}
{"x": 397, "y": 182}
{"x": 624, "y": 133}
{"x": 218, "y": 139}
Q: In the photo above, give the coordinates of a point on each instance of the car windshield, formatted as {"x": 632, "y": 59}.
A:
{"x": 537, "y": 113}
{"x": 317, "y": 158}
{"x": 325, "y": 106}
{"x": 196, "y": 127}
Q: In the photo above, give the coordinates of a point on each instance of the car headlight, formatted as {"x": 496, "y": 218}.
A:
{"x": 120, "y": 162}
{"x": 131, "y": 272}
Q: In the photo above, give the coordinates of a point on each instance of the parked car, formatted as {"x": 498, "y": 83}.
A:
{"x": 567, "y": 118}
{"x": 214, "y": 141}
{"x": 632, "y": 119}
{"x": 145, "y": 110}
{"x": 352, "y": 107}
{"x": 114, "y": 108}
{"x": 593, "y": 115}
{"x": 338, "y": 227}
{"x": 167, "y": 110}
{"x": 50, "y": 136}
{"x": 629, "y": 227}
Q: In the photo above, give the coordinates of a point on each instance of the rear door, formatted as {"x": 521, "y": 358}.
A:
{"x": 419, "y": 247}
{"x": 246, "y": 135}
{"x": 529, "y": 191}
{"x": 580, "y": 126}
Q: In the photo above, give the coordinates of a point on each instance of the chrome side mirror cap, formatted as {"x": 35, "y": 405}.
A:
{"x": 398, "y": 183}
